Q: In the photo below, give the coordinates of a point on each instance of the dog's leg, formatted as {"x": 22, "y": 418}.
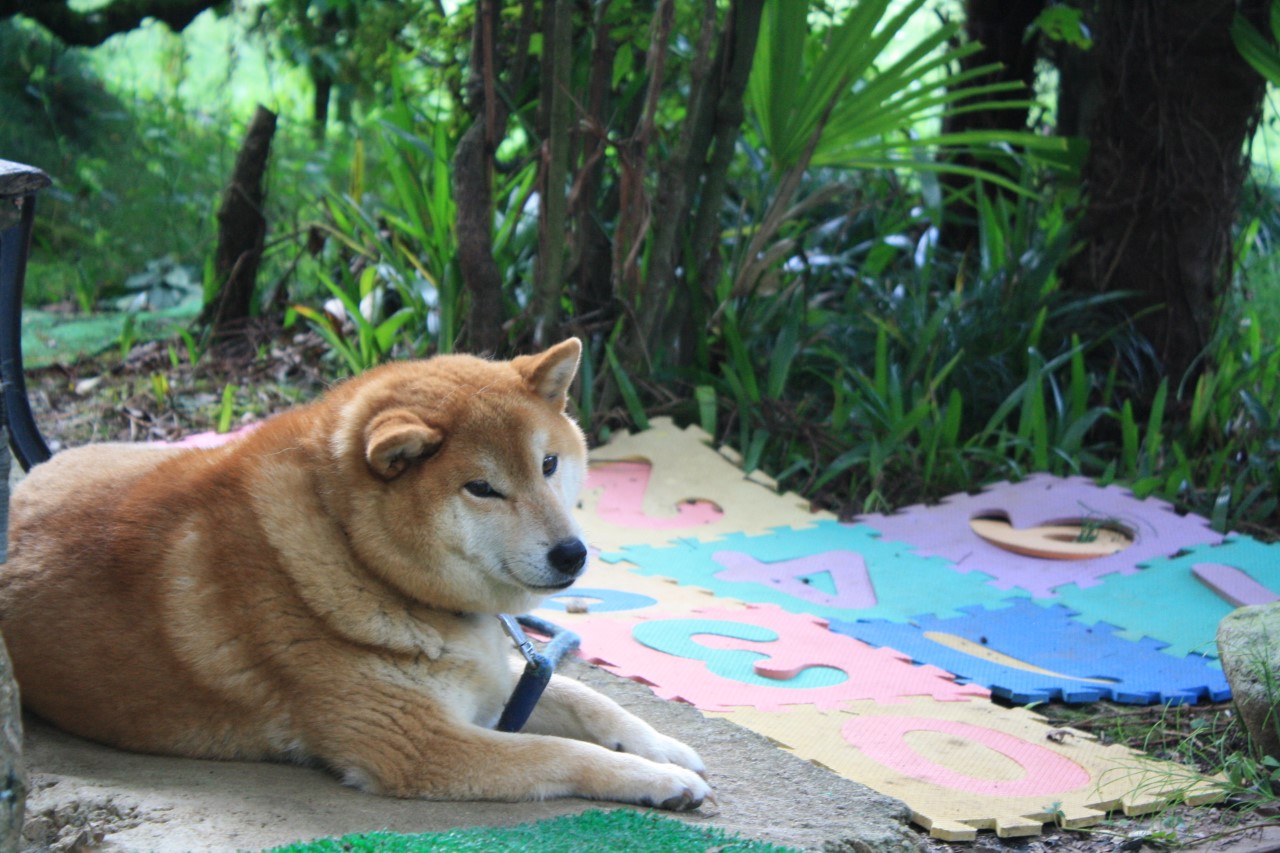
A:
{"x": 570, "y": 709}
{"x": 404, "y": 748}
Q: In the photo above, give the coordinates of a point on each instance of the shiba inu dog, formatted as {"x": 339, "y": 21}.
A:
{"x": 325, "y": 587}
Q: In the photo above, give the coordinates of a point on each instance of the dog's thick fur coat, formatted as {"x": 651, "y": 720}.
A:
{"x": 324, "y": 589}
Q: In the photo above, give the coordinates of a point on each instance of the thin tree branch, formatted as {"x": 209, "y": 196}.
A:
{"x": 553, "y": 219}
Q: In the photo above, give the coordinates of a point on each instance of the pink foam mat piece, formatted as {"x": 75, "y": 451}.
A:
{"x": 761, "y": 657}
{"x": 214, "y": 439}
{"x": 943, "y": 531}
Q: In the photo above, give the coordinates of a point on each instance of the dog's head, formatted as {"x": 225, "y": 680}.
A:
{"x": 463, "y": 476}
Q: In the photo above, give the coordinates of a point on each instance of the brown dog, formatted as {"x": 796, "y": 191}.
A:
{"x": 325, "y": 588}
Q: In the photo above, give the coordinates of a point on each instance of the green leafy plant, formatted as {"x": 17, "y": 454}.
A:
{"x": 831, "y": 99}
{"x": 128, "y": 335}
{"x": 1257, "y": 49}
{"x": 371, "y": 341}
{"x": 193, "y": 349}
{"x": 160, "y": 389}
{"x": 226, "y": 409}
{"x": 402, "y": 240}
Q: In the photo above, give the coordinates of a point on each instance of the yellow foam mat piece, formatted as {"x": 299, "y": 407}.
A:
{"x": 684, "y": 467}
{"x": 965, "y": 766}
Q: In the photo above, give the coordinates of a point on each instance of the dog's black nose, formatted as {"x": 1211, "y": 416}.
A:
{"x": 568, "y": 556}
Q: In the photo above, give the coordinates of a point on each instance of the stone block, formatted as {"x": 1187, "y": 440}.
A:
{"x": 1249, "y": 646}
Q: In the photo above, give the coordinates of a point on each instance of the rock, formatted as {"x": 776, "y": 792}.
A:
{"x": 1249, "y": 646}
{"x": 13, "y": 777}
{"x": 76, "y": 825}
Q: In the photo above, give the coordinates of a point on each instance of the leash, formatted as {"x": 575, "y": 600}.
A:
{"x": 538, "y": 669}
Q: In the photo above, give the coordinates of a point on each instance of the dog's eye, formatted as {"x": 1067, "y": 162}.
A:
{"x": 549, "y": 465}
{"x": 482, "y": 489}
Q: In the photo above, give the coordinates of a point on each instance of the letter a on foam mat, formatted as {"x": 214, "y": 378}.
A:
{"x": 836, "y": 571}
{"x": 965, "y": 766}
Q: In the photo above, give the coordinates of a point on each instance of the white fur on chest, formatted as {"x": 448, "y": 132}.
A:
{"x": 472, "y": 673}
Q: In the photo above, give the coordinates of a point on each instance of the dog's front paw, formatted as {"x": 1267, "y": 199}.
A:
{"x": 656, "y": 746}
{"x": 679, "y": 790}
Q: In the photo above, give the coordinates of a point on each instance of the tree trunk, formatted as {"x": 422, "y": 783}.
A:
{"x": 242, "y": 230}
{"x": 473, "y": 195}
{"x": 473, "y": 187}
{"x": 322, "y": 83}
{"x": 592, "y": 246}
{"x": 691, "y": 183}
{"x": 89, "y": 27}
{"x": 1166, "y": 164}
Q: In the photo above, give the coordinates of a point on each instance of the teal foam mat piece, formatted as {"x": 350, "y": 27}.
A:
{"x": 872, "y": 578}
{"x": 1167, "y": 602}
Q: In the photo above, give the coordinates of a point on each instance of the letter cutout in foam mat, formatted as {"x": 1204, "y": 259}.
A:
{"x": 622, "y": 487}
{"x": 965, "y": 766}
{"x": 1033, "y": 653}
{"x": 943, "y": 531}
{"x": 1232, "y": 585}
{"x": 763, "y": 657}
{"x": 688, "y": 489}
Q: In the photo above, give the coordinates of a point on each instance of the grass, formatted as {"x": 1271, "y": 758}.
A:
{"x": 114, "y": 396}
{"x": 1199, "y": 741}
{"x": 1259, "y": 289}
{"x": 592, "y": 830}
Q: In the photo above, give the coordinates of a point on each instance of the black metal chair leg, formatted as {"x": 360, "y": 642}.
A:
{"x": 18, "y": 186}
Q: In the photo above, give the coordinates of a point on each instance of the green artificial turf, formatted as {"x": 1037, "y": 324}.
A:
{"x": 633, "y": 832}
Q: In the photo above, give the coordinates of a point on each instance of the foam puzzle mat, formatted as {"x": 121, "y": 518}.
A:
{"x": 875, "y": 648}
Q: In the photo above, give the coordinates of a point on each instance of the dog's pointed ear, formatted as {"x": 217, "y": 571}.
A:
{"x": 550, "y": 373}
{"x": 397, "y": 438}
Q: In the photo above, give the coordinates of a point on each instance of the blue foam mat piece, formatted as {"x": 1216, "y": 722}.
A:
{"x": 1060, "y": 657}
